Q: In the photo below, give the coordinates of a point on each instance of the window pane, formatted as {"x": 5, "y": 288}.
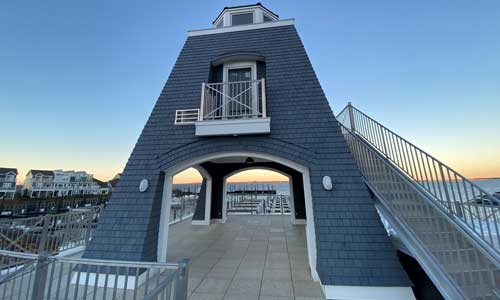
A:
{"x": 243, "y": 74}
{"x": 241, "y": 19}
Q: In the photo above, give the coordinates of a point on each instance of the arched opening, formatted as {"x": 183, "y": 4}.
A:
{"x": 224, "y": 240}
{"x": 185, "y": 193}
{"x": 258, "y": 191}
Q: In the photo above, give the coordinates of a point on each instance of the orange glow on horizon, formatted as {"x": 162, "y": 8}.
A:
{"x": 191, "y": 175}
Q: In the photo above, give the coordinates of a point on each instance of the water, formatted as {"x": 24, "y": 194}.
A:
{"x": 489, "y": 185}
{"x": 282, "y": 188}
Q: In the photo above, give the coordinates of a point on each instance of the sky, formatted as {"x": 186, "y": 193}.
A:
{"x": 78, "y": 79}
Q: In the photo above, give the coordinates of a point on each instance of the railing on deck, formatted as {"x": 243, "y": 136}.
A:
{"x": 40, "y": 277}
{"x": 186, "y": 116}
{"x": 257, "y": 204}
{"x": 49, "y": 233}
{"x": 466, "y": 202}
{"x": 183, "y": 207}
{"x": 233, "y": 100}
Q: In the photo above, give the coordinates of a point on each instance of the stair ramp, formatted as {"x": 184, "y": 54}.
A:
{"x": 448, "y": 223}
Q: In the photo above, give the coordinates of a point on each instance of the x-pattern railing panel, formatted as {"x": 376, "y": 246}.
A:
{"x": 51, "y": 233}
{"x": 233, "y": 100}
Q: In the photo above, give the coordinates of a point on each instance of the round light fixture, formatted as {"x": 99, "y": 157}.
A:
{"x": 327, "y": 183}
{"x": 143, "y": 186}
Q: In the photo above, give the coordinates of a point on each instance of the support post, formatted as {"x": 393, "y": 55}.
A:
{"x": 45, "y": 232}
{"x": 351, "y": 116}
{"x": 181, "y": 282}
{"x": 264, "y": 101}
{"x": 202, "y": 103}
{"x": 42, "y": 268}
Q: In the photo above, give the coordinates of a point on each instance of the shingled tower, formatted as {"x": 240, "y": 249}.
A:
{"x": 244, "y": 91}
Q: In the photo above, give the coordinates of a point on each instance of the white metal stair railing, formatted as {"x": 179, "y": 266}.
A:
{"x": 233, "y": 100}
{"x": 453, "y": 221}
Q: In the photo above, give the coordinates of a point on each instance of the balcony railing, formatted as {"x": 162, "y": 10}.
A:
{"x": 233, "y": 100}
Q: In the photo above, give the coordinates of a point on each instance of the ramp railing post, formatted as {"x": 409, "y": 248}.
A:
{"x": 181, "y": 283}
{"x": 45, "y": 232}
{"x": 42, "y": 268}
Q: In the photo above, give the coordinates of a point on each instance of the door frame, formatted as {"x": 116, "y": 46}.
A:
{"x": 239, "y": 65}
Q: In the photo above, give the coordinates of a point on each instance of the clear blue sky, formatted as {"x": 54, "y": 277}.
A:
{"x": 78, "y": 79}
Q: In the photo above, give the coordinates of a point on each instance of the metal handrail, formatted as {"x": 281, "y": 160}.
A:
{"x": 457, "y": 264}
{"x": 49, "y": 233}
{"x": 233, "y": 100}
{"x": 53, "y": 277}
{"x": 468, "y": 203}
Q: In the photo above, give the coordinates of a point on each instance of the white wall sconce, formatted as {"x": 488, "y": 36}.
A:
{"x": 143, "y": 186}
{"x": 327, "y": 183}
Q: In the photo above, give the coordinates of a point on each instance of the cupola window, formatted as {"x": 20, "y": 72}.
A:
{"x": 267, "y": 18}
{"x": 244, "y": 15}
{"x": 242, "y": 18}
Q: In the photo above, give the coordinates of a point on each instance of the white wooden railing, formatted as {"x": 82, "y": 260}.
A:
{"x": 233, "y": 100}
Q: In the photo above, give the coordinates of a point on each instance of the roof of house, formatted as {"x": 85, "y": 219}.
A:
{"x": 8, "y": 170}
{"x": 43, "y": 172}
{"x": 101, "y": 183}
{"x": 114, "y": 181}
{"x": 243, "y": 6}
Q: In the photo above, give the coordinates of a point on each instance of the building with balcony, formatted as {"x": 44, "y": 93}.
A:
{"x": 101, "y": 188}
{"x": 59, "y": 183}
{"x": 8, "y": 183}
{"x": 242, "y": 95}
{"x": 39, "y": 183}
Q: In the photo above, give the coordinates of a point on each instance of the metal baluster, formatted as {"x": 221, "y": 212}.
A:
{"x": 477, "y": 211}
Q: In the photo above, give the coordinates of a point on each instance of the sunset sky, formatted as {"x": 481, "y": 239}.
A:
{"x": 78, "y": 79}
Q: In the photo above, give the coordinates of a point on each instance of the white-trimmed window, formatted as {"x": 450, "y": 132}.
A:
{"x": 266, "y": 18}
{"x": 242, "y": 18}
{"x": 240, "y": 70}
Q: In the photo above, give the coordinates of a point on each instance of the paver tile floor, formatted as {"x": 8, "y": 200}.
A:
{"x": 247, "y": 258}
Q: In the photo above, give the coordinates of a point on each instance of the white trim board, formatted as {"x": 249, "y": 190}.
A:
{"x": 241, "y": 27}
{"x": 346, "y": 292}
{"x": 233, "y": 127}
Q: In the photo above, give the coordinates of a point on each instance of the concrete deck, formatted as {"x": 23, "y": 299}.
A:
{"x": 247, "y": 258}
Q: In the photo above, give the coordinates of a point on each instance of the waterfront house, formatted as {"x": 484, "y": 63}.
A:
{"x": 100, "y": 187}
{"x": 8, "y": 183}
{"x": 59, "y": 183}
{"x": 39, "y": 183}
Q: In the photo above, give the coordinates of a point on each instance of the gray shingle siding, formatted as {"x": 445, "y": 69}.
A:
{"x": 352, "y": 246}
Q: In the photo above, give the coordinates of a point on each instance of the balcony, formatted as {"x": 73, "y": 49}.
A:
{"x": 229, "y": 108}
